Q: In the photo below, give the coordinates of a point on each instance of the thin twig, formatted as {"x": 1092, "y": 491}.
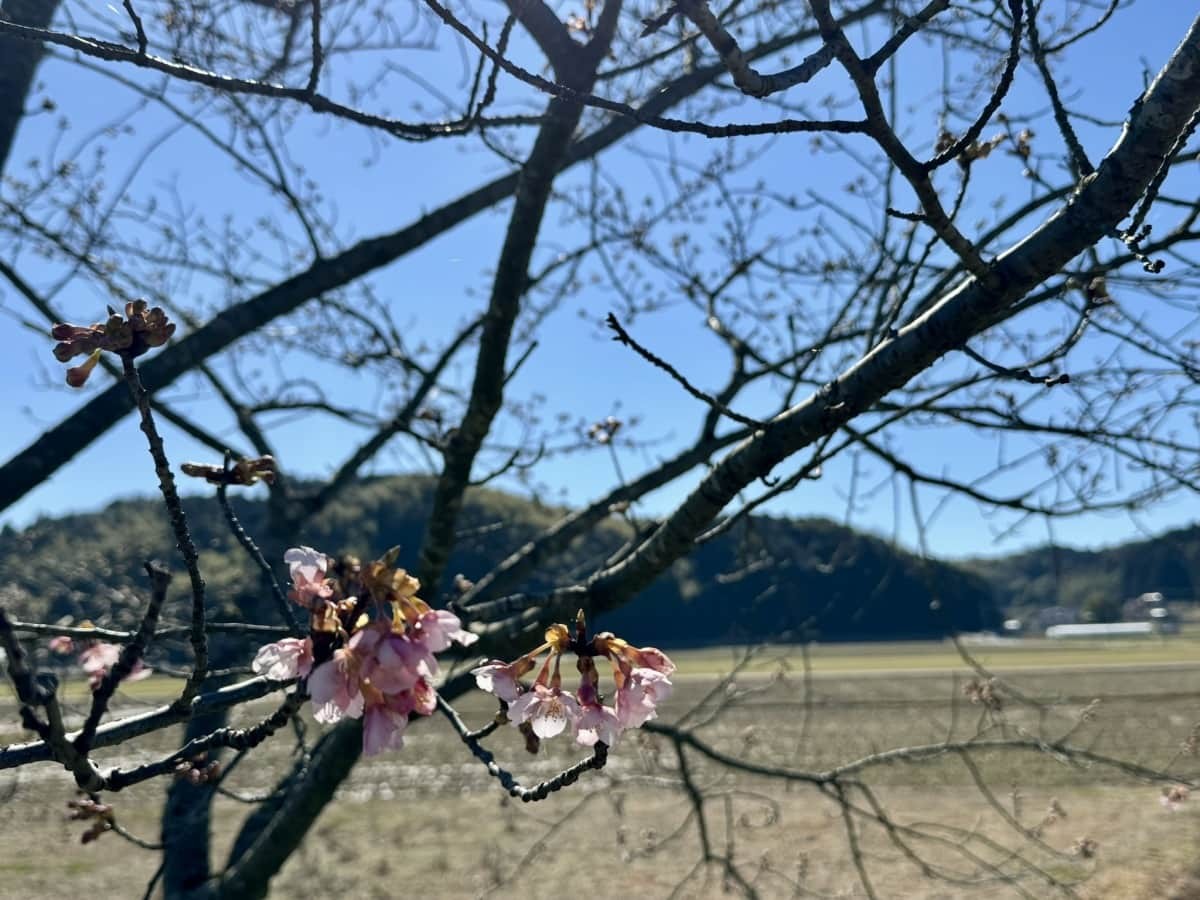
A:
{"x": 526, "y": 794}
{"x": 183, "y": 536}
{"x": 251, "y": 548}
{"x": 623, "y": 336}
{"x": 856, "y": 853}
{"x": 1017, "y": 374}
{"x": 1006, "y": 79}
{"x": 118, "y": 732}
{"x": 1080, "y": 164}
{"x": 234, "y": 738}
{"x": 137, "y": 27}
{"x": 748, "y": 80}
{"x": 131, "y": 654}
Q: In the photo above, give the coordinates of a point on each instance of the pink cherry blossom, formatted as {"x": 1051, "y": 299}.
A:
{"x": 653, "y": 658}
{"x": 547, "y": 710}
{"x": 62, "y": 644}
{"x": 398, "y": 663}
{"x": 497, "y": 678}
{"x": 335, "y": 688}
{"x": 386, "y": 717}
{"x": 285, "y": 659}
{"x": 441, "y": 627}
{"x": 597, "y": 723}
{"x": 306, "y": 562}
{"x": 423, "y": 697}
{"x": 308, "y": 575}
{"x": 637, "y": 698}
{"x": 383, "y": 729}
{"x": 382, "y": 666}
{"x": 624, "y": 654}
{"x": 364, "y": 641}
{"x": 100, "y": 657}
{"x": 641, "y": 675}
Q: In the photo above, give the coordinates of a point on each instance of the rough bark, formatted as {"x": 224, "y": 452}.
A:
{"x": 18, "y": 64}
{"x": 548, "y": 156}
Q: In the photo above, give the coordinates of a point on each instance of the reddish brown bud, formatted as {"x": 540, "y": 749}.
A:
{"x": 533, "y": 743}
{"x": 130, "y": 336}
{"x": 243, "y": 472}
{"x": 77, "y": 376}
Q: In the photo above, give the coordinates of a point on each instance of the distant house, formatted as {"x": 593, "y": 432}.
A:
{"x": 1152, "y": 608}
{"x": 1138, "y": 609}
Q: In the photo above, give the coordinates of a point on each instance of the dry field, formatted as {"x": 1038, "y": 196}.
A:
{"x": 427, "y": 822}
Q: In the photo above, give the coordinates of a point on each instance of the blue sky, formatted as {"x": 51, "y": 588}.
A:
{"x": 578, "y": 369}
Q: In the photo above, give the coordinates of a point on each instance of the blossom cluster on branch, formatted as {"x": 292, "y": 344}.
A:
{"x": 640, "y": 676}
{"x": 371, "y": 654}
{"x": 371, "y": 644}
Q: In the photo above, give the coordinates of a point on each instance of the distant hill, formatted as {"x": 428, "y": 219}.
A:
{"x": 1057, "y": 576}
{"x": 767, "y": 579}
{"x": 789, "y": 579}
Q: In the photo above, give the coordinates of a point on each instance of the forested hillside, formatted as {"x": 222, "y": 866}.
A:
{"x": 1059, "y": 576}
{"x": 765, "y": 579}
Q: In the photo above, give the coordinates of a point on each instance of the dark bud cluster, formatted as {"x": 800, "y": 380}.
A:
{"x": 141, "y": 328}
{"x": 242, "y": 472}
{"x": 88, "y": 810}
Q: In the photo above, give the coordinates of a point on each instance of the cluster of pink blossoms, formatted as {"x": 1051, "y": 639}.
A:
{"x": 640, "y": 675}
{"x": 375, "y": 640}
{"x": 97, "y": 658}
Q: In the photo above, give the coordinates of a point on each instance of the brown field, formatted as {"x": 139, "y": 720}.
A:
{"x": 427, "y": 822}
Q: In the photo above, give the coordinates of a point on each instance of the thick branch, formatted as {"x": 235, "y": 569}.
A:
{"x": 18, "y": 62}
{"x": 537, "y": 176}
{"x": 144, "y": 723}
{"x": 1102, "y": 201}
{"x": 548, "y": 31}
{"x": 558, "y": 537}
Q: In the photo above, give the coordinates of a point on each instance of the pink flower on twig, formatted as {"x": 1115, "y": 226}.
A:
{"x": 497, "y": 678}
{"x": 398, "y": 662}
{"x": 640, "y": 675}
{"x": 597, "y": 723}
{"x": 639, "y": 696}
{"x": 62, "y": 645}
{"x": 375, "y": 641}
{"x": 652, "y": 658}
{"x": 440, "y": 628}
{"x": 548, "y": 710}
{"x": 383, "y": 729}
{"x": 284, "y": 660}
{"x": 308, "y": 576}
{"x": 386, "y": 716}
{"x": 99, "y": 658}
{"x": 335, "y": 688}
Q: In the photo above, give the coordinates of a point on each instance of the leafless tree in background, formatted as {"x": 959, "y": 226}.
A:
{"x": 987, "y": 266}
